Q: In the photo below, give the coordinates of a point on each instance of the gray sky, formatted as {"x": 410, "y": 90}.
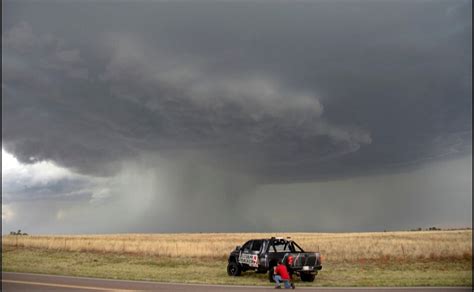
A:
{"x": 155, "y": 116}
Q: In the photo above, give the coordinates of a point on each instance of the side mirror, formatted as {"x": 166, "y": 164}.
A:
{"x": 237, "y": 247}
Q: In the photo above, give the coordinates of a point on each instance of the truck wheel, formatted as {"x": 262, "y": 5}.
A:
{"x": 307, "y": 277}
{"x": 233, "y": 269}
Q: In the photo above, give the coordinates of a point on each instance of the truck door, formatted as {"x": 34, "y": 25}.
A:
{"x": 255, "y": 251}
{"x": 249, "y": 253}
{"x": 258, "y": 247}
{"x": 245, "y": 255}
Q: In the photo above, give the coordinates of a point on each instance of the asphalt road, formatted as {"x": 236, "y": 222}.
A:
{"x": 37, "y": 282}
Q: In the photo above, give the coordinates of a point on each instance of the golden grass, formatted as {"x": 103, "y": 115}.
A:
{"x": 455, "y": 244}
{"x": 439, "y": 272}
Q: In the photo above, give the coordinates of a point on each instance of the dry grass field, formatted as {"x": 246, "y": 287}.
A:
{"x": 425, "y": 258}
{"x": 456, "y": 244}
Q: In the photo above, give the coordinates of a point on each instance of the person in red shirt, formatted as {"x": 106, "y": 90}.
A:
{"x": 280, "y": 274}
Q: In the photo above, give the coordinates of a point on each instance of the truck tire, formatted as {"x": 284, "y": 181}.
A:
{"x": 233, "y": 269}
{"x": 305, "y": 277}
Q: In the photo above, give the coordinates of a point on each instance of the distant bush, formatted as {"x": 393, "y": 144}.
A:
{"x": 434, "y": 228}
{"x": 426, "y": 229}
{"x": 417, "y": 229}
{"x": 17, "y": 233}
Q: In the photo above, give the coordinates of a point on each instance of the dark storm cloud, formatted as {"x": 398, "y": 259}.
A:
{"x": 173, "y": 109}
{"x": 300, "y": 90}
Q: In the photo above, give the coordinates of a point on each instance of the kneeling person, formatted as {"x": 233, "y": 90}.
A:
{"x": 280, "y": 274}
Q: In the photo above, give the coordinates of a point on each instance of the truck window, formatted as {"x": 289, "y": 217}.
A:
{"x": 282, "y": 247}
{"x": 246, "y": 246}
{"x": 257, "y": 244}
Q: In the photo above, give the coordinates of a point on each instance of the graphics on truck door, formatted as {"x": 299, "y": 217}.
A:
{"x": 249, "y": 253}
{"x": 248, "y": 259}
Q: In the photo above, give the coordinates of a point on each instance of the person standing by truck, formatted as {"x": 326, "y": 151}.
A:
{"x": 281, "y": 275}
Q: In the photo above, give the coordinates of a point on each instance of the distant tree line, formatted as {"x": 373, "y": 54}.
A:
{"x": 426, "y": 229}
{"x": 17, "y": 233}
